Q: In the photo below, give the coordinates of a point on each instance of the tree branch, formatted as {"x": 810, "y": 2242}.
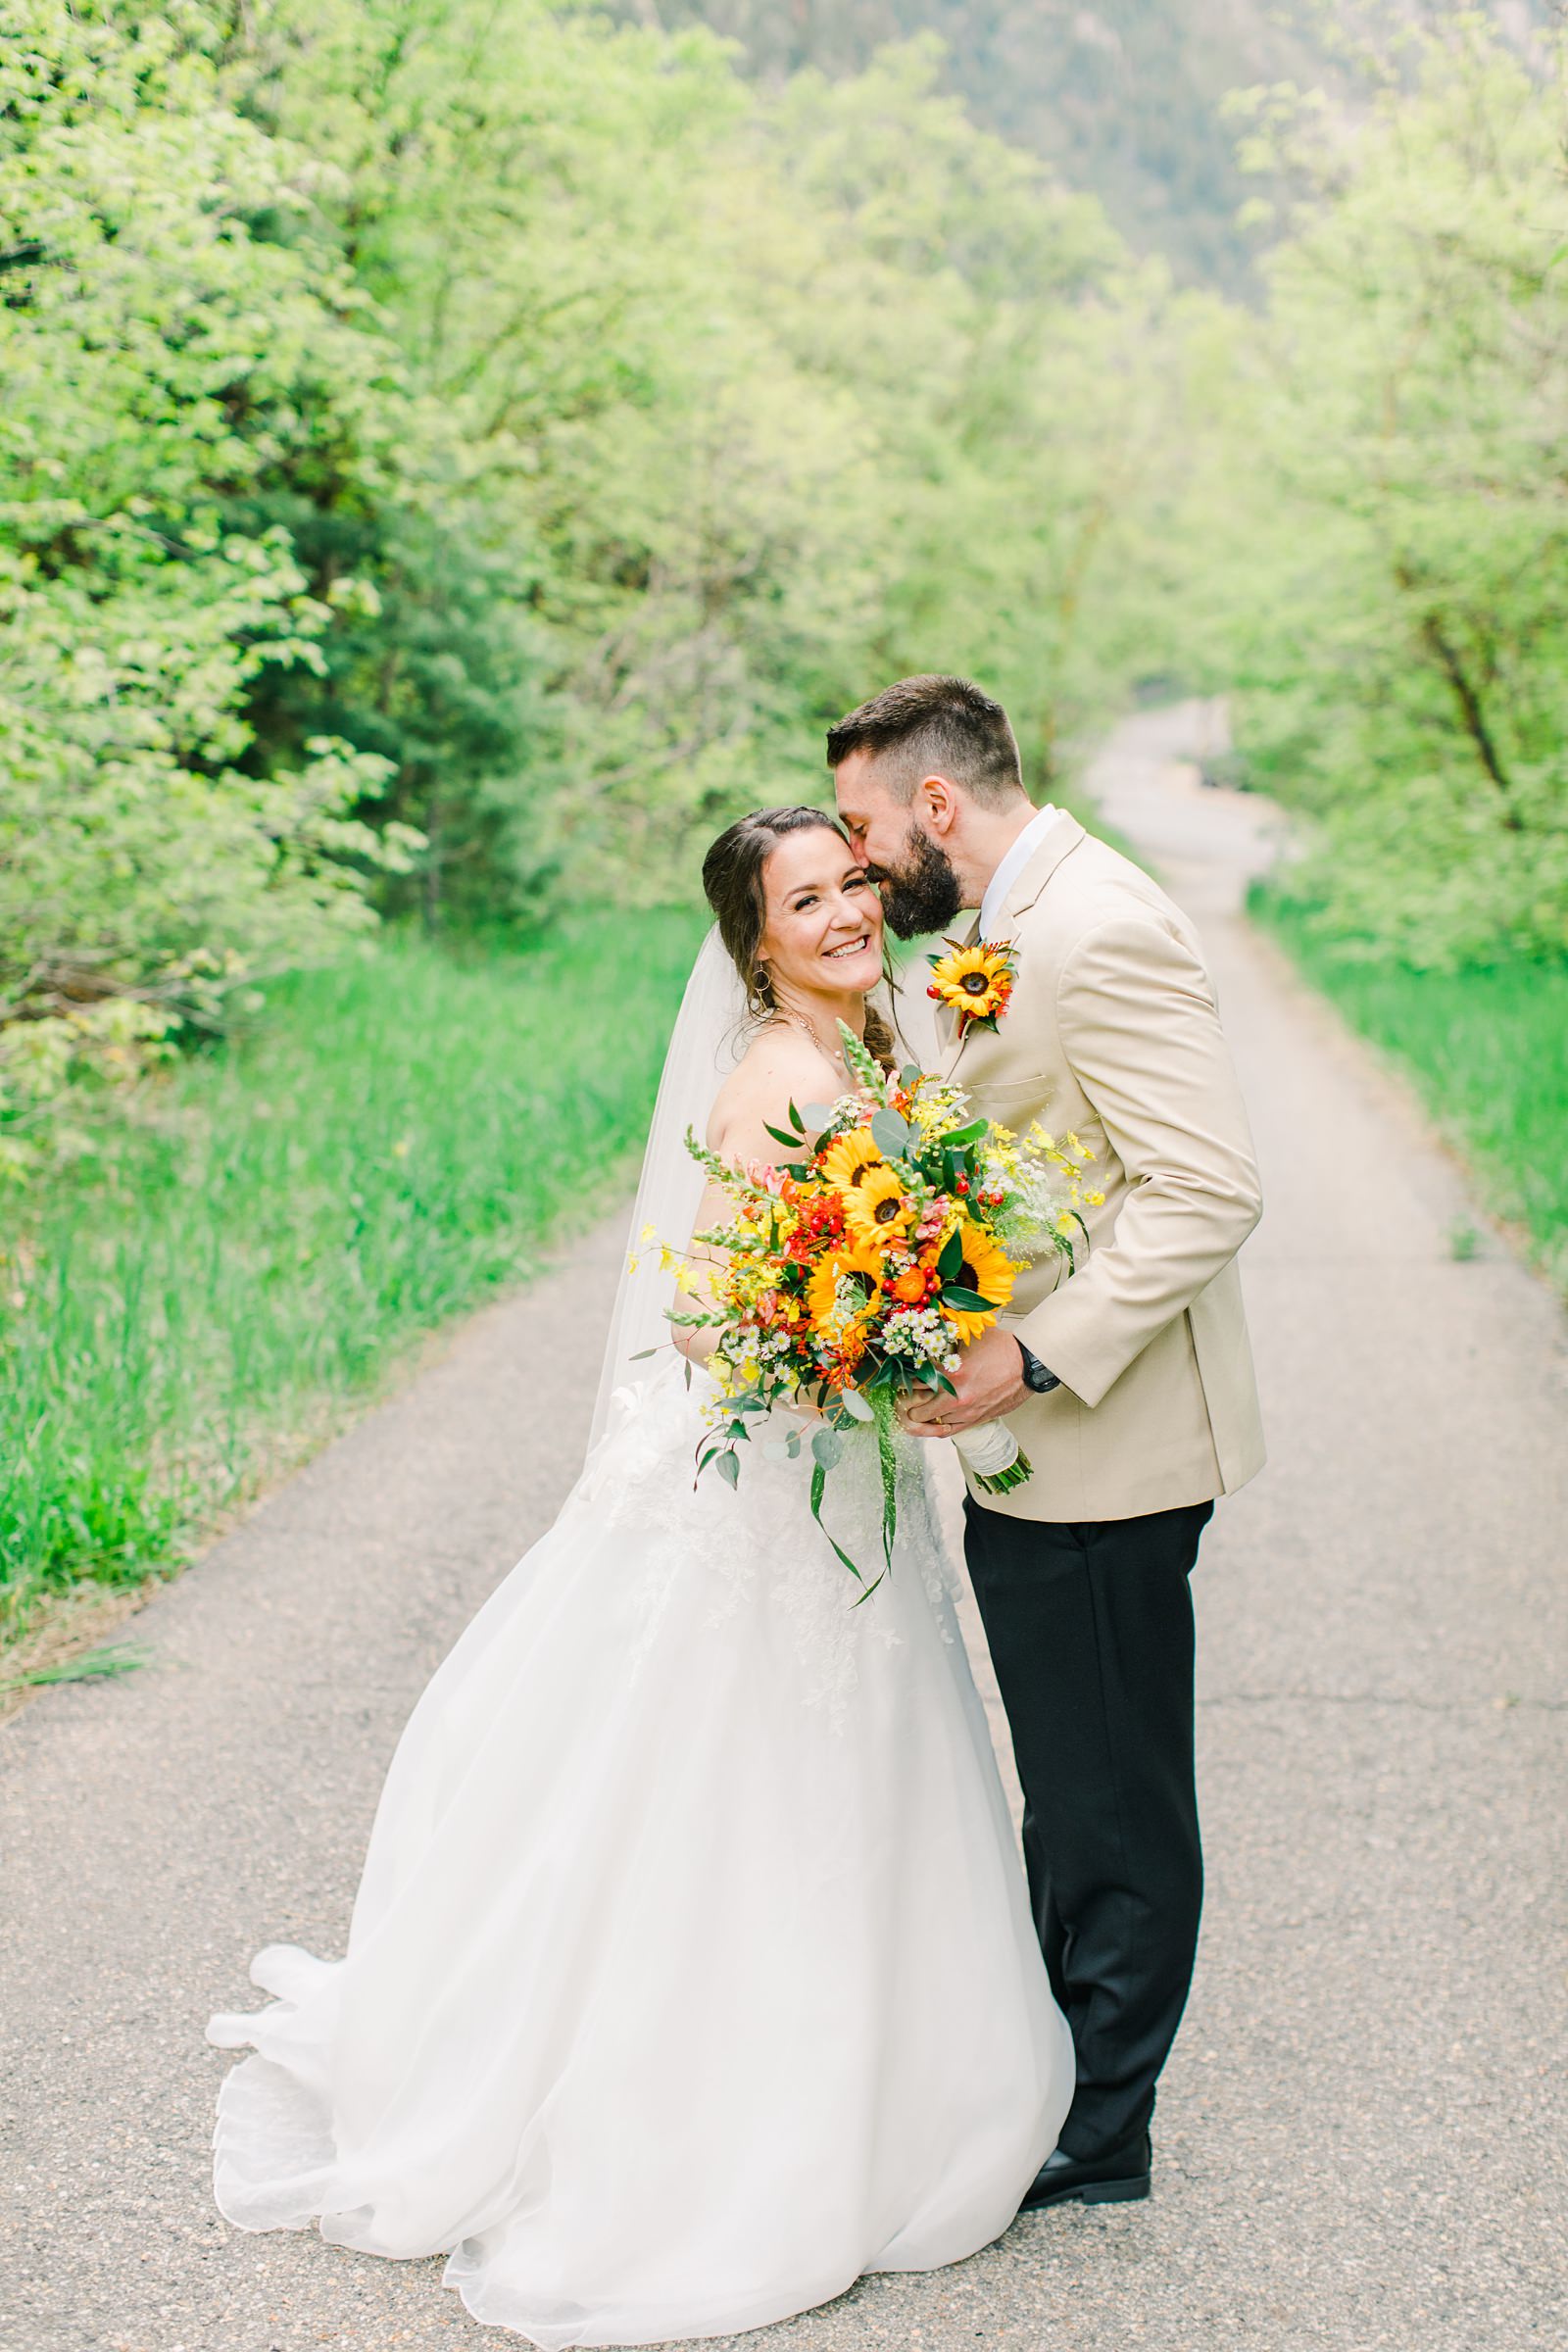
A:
{"x": 1440, "y": 646}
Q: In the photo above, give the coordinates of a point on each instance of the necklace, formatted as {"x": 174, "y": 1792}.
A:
{"x": 798, "y": 1020}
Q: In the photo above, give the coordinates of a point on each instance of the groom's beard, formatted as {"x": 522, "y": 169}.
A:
{"x": 923, "y": 895}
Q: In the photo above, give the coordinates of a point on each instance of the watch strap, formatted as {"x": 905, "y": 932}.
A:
{"x": 1035, "y": 1374}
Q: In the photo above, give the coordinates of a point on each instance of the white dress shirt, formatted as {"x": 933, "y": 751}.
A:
{"x": 1011, "y": 866}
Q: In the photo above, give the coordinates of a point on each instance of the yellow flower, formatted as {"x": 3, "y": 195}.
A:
{"x": 878, "y": 1209}
{"x": 938, "y": 1109}
{"x": 975, "y": 982}
{"x": 986, "y": 1272}
{"x": 822, "y": 1290}
{"x": 846, "y": 1159}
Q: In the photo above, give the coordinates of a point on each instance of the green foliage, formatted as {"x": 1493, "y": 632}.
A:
{"x": 1377, "y": 537}
{"x": 723, "y": 375}
{"x": 457, "y": 461}
{"x": 404, "y": 1135}
{"x": 1120, "y": 99}
{"x": 1487, "y": 1051}
{"x": 454, "y": 459}
{"x": 155, "y": 356}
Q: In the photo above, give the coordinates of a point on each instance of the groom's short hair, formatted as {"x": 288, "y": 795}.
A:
{"x": 934, "y": 726}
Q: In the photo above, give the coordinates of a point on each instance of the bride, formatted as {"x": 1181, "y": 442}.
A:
{"x": 691, "y": 1972}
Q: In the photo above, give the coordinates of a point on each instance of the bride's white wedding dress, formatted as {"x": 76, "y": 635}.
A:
{"x": 691, "y": 1974}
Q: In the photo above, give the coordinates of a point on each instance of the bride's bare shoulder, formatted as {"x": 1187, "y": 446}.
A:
{"x": 780, "y": 1066}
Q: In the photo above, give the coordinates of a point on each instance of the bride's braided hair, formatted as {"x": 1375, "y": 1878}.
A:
{"x": 733, "y": 885}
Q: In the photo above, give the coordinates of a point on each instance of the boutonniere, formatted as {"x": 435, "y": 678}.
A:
{"x": 974, "y": 983}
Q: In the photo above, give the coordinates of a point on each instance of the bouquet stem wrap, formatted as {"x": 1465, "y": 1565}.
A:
{"x": 993, "y": 1458}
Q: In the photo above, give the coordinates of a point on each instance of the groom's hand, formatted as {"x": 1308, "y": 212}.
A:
{"x": 989, "y": 1382}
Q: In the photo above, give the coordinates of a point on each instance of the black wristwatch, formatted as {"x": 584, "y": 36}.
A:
{"x": 1035, "y": 1375}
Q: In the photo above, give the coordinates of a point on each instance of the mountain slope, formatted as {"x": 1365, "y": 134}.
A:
{"x": 1122, "y": 98}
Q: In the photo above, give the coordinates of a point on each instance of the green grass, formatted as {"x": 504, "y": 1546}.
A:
{"x": 1486, "y": 1049}
{"x": 400, "y": 1138}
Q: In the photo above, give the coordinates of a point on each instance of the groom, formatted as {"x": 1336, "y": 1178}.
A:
{"x": 1129, "y": 1385}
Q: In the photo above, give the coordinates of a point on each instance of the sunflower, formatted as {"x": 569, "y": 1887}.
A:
{"x": 845, "y": 1161}
{"x": 987, "y": 1272}
{"x": 821, "y": 1290}
{"x": 878, "y": 1209}
{"x": 974, "y": 983}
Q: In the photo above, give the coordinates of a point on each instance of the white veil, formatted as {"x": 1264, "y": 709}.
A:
{"x": 708, "y": 1040}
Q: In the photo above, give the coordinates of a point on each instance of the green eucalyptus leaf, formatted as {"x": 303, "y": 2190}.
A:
{"x": 819, "y": 1489}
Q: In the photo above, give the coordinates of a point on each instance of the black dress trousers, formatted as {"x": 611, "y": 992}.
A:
{"x": 1090, "y": 1627}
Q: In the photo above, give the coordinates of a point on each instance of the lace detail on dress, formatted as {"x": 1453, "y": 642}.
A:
{"x": 757, "y": 1543}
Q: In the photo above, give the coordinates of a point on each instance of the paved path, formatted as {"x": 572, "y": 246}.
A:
{"x": 1361, "y": 2133}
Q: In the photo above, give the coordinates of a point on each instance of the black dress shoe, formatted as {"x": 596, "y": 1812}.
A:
{"x": 1113, "y": 2179}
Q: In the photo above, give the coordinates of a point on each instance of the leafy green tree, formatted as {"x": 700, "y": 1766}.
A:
{"x": 1120, "y": 99}
{"x": 724, "y": 380}
{"x": 155, "y": 356}
{"x": 1393, "y": 504}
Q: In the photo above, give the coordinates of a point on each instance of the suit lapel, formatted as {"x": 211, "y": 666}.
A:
{"x": 1062, "y": 836}
{"x": 1059, "y": 839}
{"x": 948, "y": 1037}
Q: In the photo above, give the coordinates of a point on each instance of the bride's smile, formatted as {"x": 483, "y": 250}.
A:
{"x": 822, "y": 943}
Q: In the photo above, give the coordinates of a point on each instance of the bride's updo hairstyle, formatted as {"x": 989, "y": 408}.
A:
{"x": 734, "y": 887}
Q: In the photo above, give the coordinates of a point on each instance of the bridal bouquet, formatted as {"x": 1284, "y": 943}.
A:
{"x": 859, "y": 1267}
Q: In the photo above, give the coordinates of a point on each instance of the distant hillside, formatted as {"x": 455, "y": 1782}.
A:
{"x": 1122, "y": 97}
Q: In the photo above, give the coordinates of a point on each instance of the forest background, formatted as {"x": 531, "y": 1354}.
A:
{"x": 456, "y": 454}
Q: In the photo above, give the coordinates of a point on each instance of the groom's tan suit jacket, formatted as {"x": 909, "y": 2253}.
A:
{"x": 1111, "y": 1034}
